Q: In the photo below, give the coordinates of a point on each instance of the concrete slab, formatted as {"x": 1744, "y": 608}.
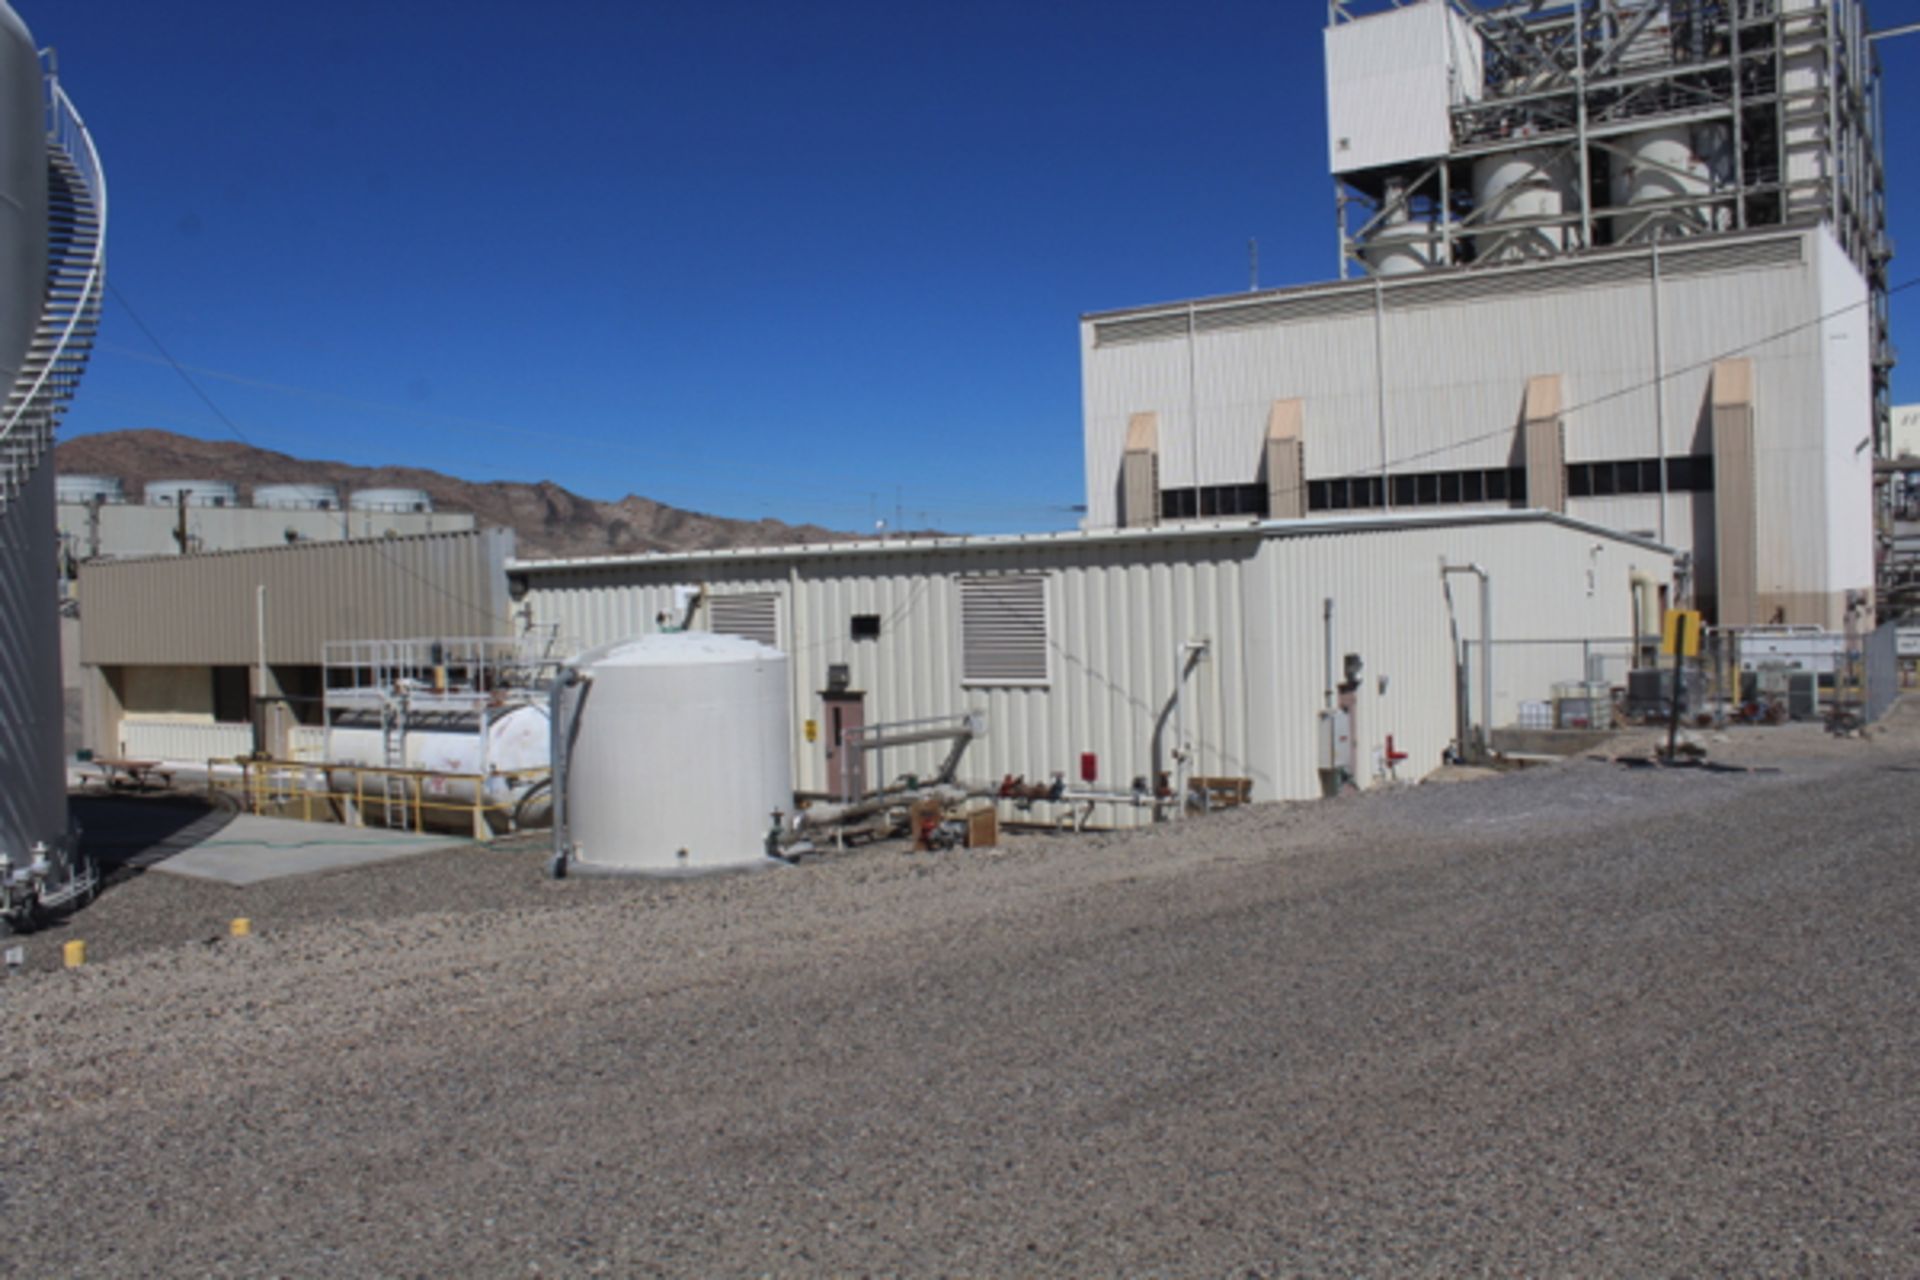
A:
{"x": 251, "y": 849}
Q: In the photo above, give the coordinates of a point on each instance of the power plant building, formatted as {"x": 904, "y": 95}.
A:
{"x": 1625, "y": 261}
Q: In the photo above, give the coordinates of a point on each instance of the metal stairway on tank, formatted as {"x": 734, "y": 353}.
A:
{"x": 70, "y": 311}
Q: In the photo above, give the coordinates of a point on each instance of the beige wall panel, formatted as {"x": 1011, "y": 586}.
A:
{"x": 200, "y": 610}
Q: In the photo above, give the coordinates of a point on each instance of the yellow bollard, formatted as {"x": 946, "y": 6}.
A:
{"x": 75, "y": 953}
{"x": 241, "y": 927}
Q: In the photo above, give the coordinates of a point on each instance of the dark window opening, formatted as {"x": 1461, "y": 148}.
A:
{"x": 1214, "y": 500}
{"x": 1685, "y": 474}
{"x": 866, "y": 626}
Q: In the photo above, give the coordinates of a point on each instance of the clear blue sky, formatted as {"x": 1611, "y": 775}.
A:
{"x": 797, "y": 260}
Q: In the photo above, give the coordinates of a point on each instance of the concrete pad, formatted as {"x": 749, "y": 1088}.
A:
{"x": 251, "y": 849}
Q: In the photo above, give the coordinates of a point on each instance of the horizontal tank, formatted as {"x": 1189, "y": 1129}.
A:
{"x": 192, "y": 493}
{"x": 103, "y": 489}
{"x": 297, "y": 497}
{"x": 515, "y": 742}
{"x": 391, "y": 500}
{"x": 681, "y": 755}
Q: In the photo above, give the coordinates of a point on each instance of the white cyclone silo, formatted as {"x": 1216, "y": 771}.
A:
{"x": 680, "y": 755}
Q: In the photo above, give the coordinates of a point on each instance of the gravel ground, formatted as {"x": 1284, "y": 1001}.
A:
{"x": 1574, "y": 1020}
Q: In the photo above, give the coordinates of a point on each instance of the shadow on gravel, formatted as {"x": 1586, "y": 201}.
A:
{"x": 127, "y": 834}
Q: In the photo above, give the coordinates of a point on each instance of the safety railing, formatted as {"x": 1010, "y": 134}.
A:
{"x": 68, "y": 131}
{"x": 407, "y": 798}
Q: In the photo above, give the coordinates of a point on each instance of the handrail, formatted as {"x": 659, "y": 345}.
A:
{"x": 307, "y": 782}
{"x": 67, "y": 130}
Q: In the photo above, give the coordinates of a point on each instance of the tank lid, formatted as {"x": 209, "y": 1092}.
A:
{"x": 681, "y": 649}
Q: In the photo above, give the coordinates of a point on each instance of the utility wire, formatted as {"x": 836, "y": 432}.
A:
{"x": 241, "y": 436}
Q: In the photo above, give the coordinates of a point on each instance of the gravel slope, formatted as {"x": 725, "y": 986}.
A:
{"x": 1576, "y": 1020}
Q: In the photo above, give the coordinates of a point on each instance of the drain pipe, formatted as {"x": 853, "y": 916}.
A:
{"x": 1190, "y": 652}
{"x": 559, "y": 726}
{"x": 1486, "y": 650}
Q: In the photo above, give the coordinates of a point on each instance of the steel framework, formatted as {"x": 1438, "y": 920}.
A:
{"x": 1792, "y": 87}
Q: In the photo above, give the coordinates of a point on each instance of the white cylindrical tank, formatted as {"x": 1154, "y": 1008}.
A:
{"x": 391, "y": 500}
{"x": 192, "y": 493}
{"x": 1522, "y": 186}
{"x": 297, "y": 497}
{"x": 33, "y": 792}
{"x": 104, "y": 489}
{"x": 517, "y": 741}
{"x": 1675, "y": 162}
{"x": 682, "y": 754}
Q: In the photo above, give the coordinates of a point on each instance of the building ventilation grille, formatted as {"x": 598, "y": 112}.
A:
{"x": 1003, "y": 629}
{"x": 751, "y": 616}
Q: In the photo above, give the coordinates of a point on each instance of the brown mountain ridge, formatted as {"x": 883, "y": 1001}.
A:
{"x": 548, "y": 521}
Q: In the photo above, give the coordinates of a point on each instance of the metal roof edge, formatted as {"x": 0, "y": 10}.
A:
{"x": 306, "y": 545}
{"x": 1670, "y": 248}
{"x": 1085, "y": 537}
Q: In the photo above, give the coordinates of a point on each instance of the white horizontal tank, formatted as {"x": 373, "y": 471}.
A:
{"x": 77, "y": 488}
{"x": 516, "y": 742}
{"x": 681, "y": 754}
{"x": 297, "y": 497}
{"x": 391, "y": 500}
{"x": 192, "y": 493}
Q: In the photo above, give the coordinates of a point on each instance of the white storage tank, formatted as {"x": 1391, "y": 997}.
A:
{"x": 391, "y": 500}
{"x": 515, "y": 742}
{"x": 102, "y": 489}
{"x": 297, "y": 497}
{"x": 1674, "y": 163}
{"x": 192, "y": 493}
{"x": 1523, "y": 186}
{"x": 681, "y": 753}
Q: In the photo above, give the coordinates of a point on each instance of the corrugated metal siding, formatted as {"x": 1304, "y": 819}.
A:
{"x": 184, "y": 740}
{"x": 1456, "y": 377}
{"x": 1118, "y": 616}
{"x": 199, "y": 610}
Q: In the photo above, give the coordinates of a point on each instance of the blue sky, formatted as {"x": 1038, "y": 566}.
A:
{"x": 810, "y": 261}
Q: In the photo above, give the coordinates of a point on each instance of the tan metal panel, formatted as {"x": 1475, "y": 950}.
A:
{"x": 200, "y": 609}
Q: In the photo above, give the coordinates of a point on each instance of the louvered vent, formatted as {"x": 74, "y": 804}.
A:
{"x": 751, "y": 616}
{"x": 1003, "y": 629}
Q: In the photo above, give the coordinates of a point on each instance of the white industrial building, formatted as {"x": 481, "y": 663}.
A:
{"x": 1619, "y": 259}
{"x": 1207, "y": 650}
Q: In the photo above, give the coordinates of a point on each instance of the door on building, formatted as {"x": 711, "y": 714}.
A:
{"x": 844, "y": 711}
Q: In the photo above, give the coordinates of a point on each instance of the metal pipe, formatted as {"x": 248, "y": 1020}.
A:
{"x": 558, "y": 726}
{"x": 1486, "y": 647}
{"x": 1659, "y": 390}
{"x": 1190, "y": 652}
{"x": 1326, "y": 623}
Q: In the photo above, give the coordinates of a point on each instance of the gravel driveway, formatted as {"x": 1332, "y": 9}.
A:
{"x": 1577, "y": 1020}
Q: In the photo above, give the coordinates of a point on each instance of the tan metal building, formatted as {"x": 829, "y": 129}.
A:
{"x": 175, "y": 651}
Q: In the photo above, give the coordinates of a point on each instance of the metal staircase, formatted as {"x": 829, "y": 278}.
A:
{"x": 70, "y": 312}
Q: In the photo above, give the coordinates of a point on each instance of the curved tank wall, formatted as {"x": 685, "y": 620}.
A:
{"x": 516, "y": 742}
{"x": 192, "y": 493}
{"x": 89, "y": 489}
{"x": 1522, "y": 186}
{"x": 1672, "y": 163}
{"x": 682, "y": 753}
{"x": 33, "y": 791}
{"x": 390, "y": 500}
{"x": 297, "y": 497}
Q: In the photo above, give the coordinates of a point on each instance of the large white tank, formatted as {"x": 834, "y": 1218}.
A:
{"x": 1402, "y": 244}
{"x": 1674, "y": 162}
{"x": 297, "y": 497}
{"x": 104, "y": 489}
{"x": 681, "y": 754}
{"x": 517, "y": 741}
{"x": 1521, "y": 186}
{"x": 33, "y": 793}
{"x": 391, "y": 500}
{"x": 192, "y": 493}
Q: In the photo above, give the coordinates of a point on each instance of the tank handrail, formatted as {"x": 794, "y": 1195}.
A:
{"x": 67, "y": 130}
